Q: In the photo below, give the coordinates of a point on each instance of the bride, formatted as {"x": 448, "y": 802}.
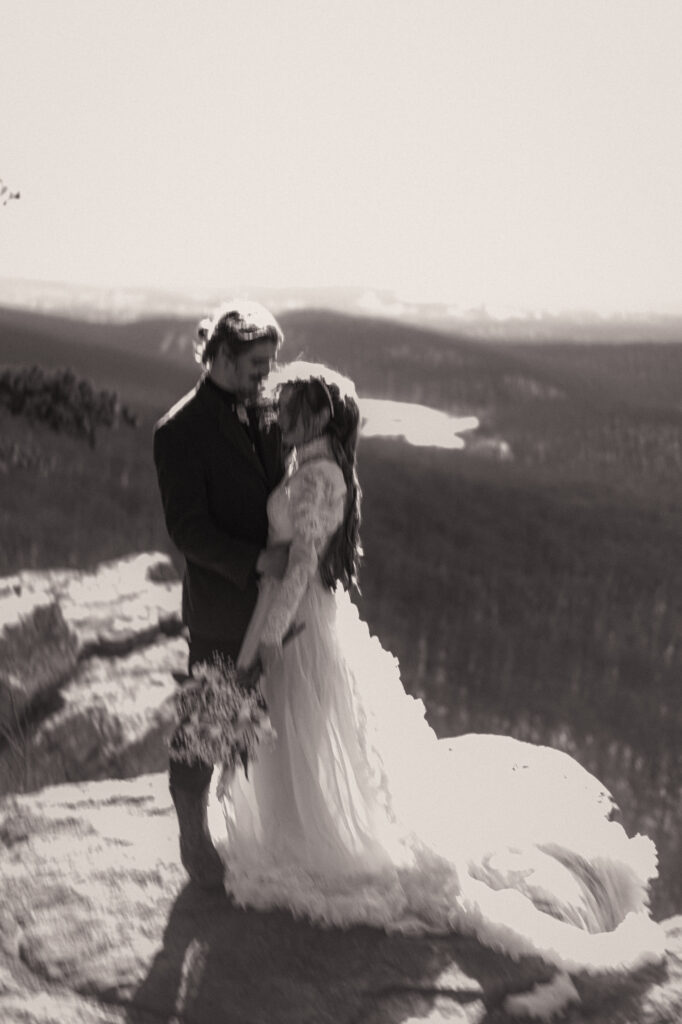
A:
{"x": 357, "y": 813}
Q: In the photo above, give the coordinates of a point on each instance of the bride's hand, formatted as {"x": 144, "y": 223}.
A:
{"x": 272, "y": 561}
{"x": 269, "y": 655}
{"x": 247, "y": 678}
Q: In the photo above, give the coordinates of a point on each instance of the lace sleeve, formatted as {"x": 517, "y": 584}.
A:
{"x": 317, "y": 493}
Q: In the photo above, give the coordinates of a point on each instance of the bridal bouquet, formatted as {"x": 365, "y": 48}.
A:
{"x": 223, "y": 716}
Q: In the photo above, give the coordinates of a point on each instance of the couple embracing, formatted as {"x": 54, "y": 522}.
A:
{"x": 357, "y": 813}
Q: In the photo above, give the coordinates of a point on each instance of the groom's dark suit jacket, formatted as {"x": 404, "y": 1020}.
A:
{"x": 214, "y": 489}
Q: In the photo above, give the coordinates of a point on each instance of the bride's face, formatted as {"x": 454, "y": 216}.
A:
{"x": 292, "y": 427}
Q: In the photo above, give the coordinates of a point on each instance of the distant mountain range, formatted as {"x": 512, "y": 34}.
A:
{"x": 101, "y": 304}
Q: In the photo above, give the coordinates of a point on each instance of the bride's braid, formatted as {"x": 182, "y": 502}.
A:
{"x": 341, "y": 561}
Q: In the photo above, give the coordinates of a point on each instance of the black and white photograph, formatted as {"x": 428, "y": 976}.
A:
{"x": 340, "y": 511}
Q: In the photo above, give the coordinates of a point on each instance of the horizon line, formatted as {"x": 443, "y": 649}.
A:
{"x": 367, "y": 300}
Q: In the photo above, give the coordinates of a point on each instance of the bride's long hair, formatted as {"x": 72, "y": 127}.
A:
{"x": 309, "y": 396}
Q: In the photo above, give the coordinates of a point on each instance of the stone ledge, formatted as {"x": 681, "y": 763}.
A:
{"x": 98, "y": 925}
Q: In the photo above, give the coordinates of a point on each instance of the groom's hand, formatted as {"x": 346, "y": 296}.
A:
{"x": 272, "y": 561}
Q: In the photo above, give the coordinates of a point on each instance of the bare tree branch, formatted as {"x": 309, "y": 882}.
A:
{"x": 6, "y": 193}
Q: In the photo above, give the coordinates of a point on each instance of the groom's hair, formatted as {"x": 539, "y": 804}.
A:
{"x": 237, "y": 325}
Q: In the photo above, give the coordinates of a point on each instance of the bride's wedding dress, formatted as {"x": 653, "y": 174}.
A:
{"x": 359, "y": 814}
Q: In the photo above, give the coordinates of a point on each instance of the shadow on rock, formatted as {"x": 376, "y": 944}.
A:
{"x": 223, "y": 965}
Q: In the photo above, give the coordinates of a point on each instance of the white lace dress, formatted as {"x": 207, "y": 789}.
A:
{"x": 359, "y": 814}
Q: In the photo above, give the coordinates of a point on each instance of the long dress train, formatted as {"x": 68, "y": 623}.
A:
{"x": 359, "y": 814}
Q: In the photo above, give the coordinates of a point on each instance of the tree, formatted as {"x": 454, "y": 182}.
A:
{"x": 65, "y": 403}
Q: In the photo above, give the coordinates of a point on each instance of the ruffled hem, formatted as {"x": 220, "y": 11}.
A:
{"x": 434, "y": 902}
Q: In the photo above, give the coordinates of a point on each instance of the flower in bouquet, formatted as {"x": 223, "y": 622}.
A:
{"x": 223, "y": 715}
{"x": 221, "y": 720}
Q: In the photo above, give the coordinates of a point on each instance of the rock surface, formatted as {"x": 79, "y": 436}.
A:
{"x": 38, "y": 652}
{"x": 97, "y": 652}
{"x": 99, "y": 926}
{"x": 111, "y": 610}
{"x": 115, "y": 719}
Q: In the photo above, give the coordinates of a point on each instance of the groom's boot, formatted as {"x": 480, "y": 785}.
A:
{"x": 197, "y": 852}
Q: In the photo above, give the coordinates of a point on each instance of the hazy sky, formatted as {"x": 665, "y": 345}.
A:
{"x": 522, "y": 152}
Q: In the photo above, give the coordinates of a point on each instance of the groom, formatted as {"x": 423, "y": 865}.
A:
{"x": 217, "y": 461}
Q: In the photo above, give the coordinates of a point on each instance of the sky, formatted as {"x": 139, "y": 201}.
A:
{"x": 517, "y": 153}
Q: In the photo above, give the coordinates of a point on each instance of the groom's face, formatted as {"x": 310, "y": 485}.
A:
{"x": 251, "y": 368}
